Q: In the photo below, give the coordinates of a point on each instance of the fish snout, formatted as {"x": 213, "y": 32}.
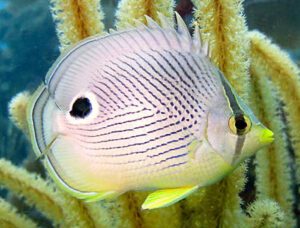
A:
{"x": 266, "y": 136}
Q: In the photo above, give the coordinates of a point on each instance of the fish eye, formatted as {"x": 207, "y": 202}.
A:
{"x": 81, "y": 108}
{"x": 239, "y": 124}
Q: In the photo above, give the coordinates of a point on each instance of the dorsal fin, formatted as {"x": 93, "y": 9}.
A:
{"x": 151, "y": 23}
{"x": 139, "y": 24}
{"x": 205, "y": 49}
{"x": 111, "y": 31}
{"x": 197, "y": 38}
{"x": 199, "y": 44}
{"x": 165, "y": 24}
{"x": 182, "y": 28}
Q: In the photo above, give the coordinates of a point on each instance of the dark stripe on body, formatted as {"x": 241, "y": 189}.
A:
{"x": 144, "y": 151}
{"x": 122, "y": 83}
{"x": 105, "y": 120}
{"x": 147, "y": 89}
{"x": 175, "y": 70}
{"x": 174, "y": 86}
{"x": 144, "y": 159}
{"x": 141, "y": 143}
{"x": 126, "y": 130}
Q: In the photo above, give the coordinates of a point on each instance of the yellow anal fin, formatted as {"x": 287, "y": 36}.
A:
{"x": 101, "y": 196}
{"x": 166, "y": 197}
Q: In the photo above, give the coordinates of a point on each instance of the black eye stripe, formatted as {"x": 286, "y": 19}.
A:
{"x": 81, "y": 108}
{"x": 233, "y": 103}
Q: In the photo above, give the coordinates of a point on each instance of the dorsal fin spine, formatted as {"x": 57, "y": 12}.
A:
{"x": 151, "y": 23}
{"x": 197, "y": 38}
{"x": 182, "y": 28}
{"x": 165, "y": 24}
{"x": 198, "y": 43}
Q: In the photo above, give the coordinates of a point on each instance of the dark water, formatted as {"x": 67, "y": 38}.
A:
{"x": 28, "y": 47}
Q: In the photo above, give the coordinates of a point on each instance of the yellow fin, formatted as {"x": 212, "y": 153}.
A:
{"x": 166, "y": 197}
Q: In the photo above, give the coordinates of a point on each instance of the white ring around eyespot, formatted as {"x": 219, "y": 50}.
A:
{"x": 92, "y": 115}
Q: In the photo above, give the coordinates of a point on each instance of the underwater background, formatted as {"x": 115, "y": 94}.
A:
{"x": 29, "y": 45}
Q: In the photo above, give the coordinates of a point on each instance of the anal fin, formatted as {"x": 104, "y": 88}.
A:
{"x": 166, "y": 197}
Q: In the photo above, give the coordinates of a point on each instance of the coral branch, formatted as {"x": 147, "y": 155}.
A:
{"x": 273, "y": 171}
{"x": 108, "y": 214}
{"x": 131, "y": 10}
{"x": 216, "y": 205}
{"x": 34, "y": 189}
{"x": 276, "y": 64}
{"x": 164, "y": 217}
{"x": 265, "y": 213}
{"x": 61, "y": 208}
{"x": 222, "y": 24}
{"x": 126, "y": 211}
{"x": 10, "y": 218}
{"x": 17, "y": 110}
{"x": 76, "y": 20}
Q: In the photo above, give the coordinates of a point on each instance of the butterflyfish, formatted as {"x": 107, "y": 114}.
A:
{"x": 143, "y": 109}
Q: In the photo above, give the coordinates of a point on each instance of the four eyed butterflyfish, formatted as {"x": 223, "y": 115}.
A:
{"x": 142, "y": 109}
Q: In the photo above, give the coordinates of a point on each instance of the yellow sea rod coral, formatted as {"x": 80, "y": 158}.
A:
{"x": 40, "y": 195}
{"x": 131, "y": 10}
{"x": 54, "y": 204}
{"x": 10, "y": 218}
{"x": 222, "y": 25}
{"x": 76, "y": 20}
{"x": 273, "y": 173}
{"x": 265, "y": 213}
{"x": 270, "y": 61}
{"x": 17, "y": 110}
{"x": 217, "y": 205}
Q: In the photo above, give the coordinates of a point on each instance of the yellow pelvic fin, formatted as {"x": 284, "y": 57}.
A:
{"x": 166, "y": 197}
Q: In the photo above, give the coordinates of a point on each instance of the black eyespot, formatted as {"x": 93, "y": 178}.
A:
{"x": 240, "y": 123}
{"x": 81, "y": 108}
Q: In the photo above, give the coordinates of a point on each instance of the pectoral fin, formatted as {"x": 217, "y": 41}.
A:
{"x": 166, "y": 197}
{"x": 102, "y": 196}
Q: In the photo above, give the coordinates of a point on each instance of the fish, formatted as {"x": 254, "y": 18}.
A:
{"x": 142, "y": 109}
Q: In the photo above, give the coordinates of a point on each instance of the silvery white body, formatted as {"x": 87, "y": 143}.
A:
{"x": 158, "y": 115}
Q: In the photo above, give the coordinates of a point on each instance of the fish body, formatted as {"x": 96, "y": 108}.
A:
{"x": 141, "y": 109}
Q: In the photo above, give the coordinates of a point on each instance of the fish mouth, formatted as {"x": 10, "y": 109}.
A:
{"x": 266, "y": 136}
